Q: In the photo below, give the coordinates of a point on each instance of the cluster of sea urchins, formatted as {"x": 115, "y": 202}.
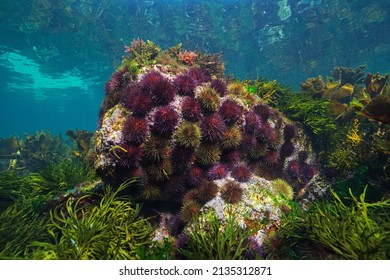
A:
{"x": 183, "y": 132}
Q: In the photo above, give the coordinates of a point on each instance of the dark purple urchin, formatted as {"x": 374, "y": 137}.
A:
{"x": 219, "y": 86}
{"x": 286, "y": 150}
{"x": 185, "y": 85}
{"x": 231, "y": 192}
{"x": 181, "y": 158}
{"x": 191, "y": 110}
{"x": 129, "y": 156}
{"x": 252, "y": 122}
{"x": 138, "y": 102}
{"x": 264, "y": 133}
{"x": 199, "y": 75}
{"x": 175, "y": 185}
{"x": 263, "y": 111}
{"x": 135, "y": 130}
{"x": 163, "y": 92}
{"x": 165, "y": 119}
{"x": 150, "y": 80}
{"x": 272, "y": 158}
{"x": 230, "y": 111}
{"x": 217, "y": 171}
{"x": 230, "y": 157}
{"x": 195, "y": 176}
{"x": 241, "y": 173}
{"x": 289, "y": 132}
{"x": 307, "y": 171}
{"x": 206, "y": 191}
{"x": 212, "y": 127}
{"x": 117, "y": 81}
{"x": 293, "y": 169}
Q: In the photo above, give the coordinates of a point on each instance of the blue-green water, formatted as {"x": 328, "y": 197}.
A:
{"x": 55, "y": 55}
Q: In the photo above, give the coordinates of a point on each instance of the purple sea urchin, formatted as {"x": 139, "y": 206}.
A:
{"x": 252, "y": 122}
{"x": 135, "y": 130}
{"x": 206, "y": 191}
{"x": 139, "y": 103}
{"x": 185, "y": 85}
{"x": 230, "y": 111}
{"x": 217, "y": 171}
{"x": 272, "y": 158}
{"x": 293, "y": 169}
{"x": 213, "y": 128}
{"x": 219, "y": 86}
{"x": 289, "y": 132}
{"x": 198, "y": 74}
{"x": 241, "y": 173}
{"x": 165, "y": 120}
{"x": 230, "y": 157}
{"x": 231, "y": 192}
{"x": 163, "y": 92}
{"x": 150, "y": 80}
{"x": 195, "y": 175}
{"x": 263, "y": 111}
{"x": 191, "y": 110}
{"x": 286, "y": 150}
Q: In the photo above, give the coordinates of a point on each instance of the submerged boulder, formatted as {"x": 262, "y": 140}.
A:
{"x": 193, "y": 137}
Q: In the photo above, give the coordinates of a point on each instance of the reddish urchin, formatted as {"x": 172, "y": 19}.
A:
{"x": 265, "y": 132}
{"x": 128, "y": 155}
{"x": 289, "y": 132}
{"x": 195, "y": 175}
{"x": 287, "y": 150}
{"x": 207, "y": 191}
{"x": 150, "y": 80}
{"x": 181, "y": 158}
{"x": 252, "y": 122}
{"x": 185, "y": 85}
{"x": 272, "y": 158}
{"x": 138, "y": 102}
{"x": 263, "y": 111}
{"x": 213, "y": 128}
{"x": 219, "y": 86}
{"x": 230, "y": 111}
{"x": 217, "y": 171}
{"x": 163, "y": 92}
{"x": 189, "y": 211}
{"x": 191, "y": 110}
{"x": 165, "y": 120}
{"x": 230, "y": 157}
{"x": 307, "y": 171}
{"x": 117, "y": 81}
{"x": 241, "y": 173}
{"x": 231, "y": 192}
{"x": 135, "y": 130}
{"x": 198, "y": 75}
{"x": 293, "y": 168}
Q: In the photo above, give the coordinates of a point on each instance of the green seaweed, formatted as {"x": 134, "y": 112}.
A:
{"x": 209, "y": 238}
{"x": 357, "y": 231}
{"x": 110, "y": 230}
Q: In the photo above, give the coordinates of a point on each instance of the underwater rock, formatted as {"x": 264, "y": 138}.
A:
{"x": 180, "y": 127}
